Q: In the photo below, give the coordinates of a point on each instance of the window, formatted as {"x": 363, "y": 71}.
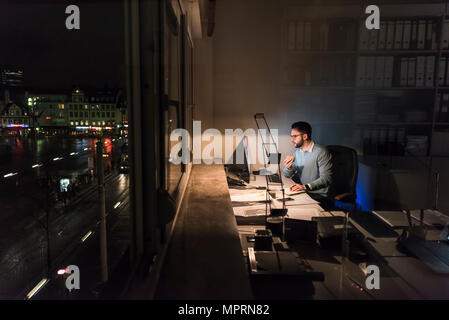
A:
{"x": 71, "y": 114}
{"x": 102, "y": 114}
{"x": 108, "y": 114}
{"x": 86, "y": 114}
{"x": 93, "y": 114}
{"x": 76, "y": 114}
{"x": 98, "y": 114}
{"x": 113, "y": 114}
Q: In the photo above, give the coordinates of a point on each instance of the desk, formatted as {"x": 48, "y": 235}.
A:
{"x": 332, "y": 264}
{"x": 401, "y": 276}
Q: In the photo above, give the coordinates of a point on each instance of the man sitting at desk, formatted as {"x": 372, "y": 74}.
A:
{"x": 311, "y": 165}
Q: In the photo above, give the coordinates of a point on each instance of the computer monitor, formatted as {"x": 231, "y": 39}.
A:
{"x": 241, "y": 170}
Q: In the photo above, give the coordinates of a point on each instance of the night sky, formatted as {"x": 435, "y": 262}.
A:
{"x": 33, "y": 36}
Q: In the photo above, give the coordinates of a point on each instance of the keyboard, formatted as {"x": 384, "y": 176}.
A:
{"x": 274, "y": 178}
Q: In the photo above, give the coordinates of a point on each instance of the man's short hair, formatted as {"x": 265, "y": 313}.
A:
{"x": 303, "y": 127}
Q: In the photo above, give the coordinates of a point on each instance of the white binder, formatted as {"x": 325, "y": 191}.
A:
{"x": 390, "y": 35}
{"x": 411, "y": 72}
{"x": 373, "y": 39}
{"x": 398, "y": 35}
{"x": 430, "y": 70}
{"x": 369, "y": 74}
{"x": 364, "y": 37}
{"x": 445, "y": 35}
{"x": 442, "y": 117}
{"x": 434, "y": 45}
{"x": 429, "y": 32}
{"x": 447, "y": 73}
{"x": 420, "y": 68}
{"x": 382, "y": 35}
{"x": 442, "y": 71}
{"x": 300, "y": 35}
{"x": 291, "y": 35}
{"x": 407, "y": 32}
{"x": 307, "y": 35}
{"x": 437, "y": 105}
{"x": 413, "y": 34}
{"x": 388, "y": 73}
{"x": 380, "y": 68}
{"x": 324, "y": 36}
{"x": 421, "y": 41}
{"x": 361, "y": 72}
{"x": 403, "y": 74}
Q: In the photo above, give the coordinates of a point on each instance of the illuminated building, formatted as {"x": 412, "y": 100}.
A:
{"x": 98, "y": 109}
{"x": 79, "y": 111}
{"x": 11, "y": 77}
{"x": 14, "y": 118}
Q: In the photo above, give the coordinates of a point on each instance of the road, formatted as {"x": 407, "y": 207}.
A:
{"x": 23, "y": 241}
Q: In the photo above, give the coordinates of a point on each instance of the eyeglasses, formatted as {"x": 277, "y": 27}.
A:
{"x": 296, "y": 135}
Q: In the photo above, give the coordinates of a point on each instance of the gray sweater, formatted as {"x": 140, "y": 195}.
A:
{"x": 312, "y": 167}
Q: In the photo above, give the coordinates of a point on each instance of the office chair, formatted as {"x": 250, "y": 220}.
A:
{"x": 345, "y": 169}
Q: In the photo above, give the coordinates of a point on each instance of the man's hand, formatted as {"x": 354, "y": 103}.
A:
{"x": 297, "y": 187}
{"x": 288, "y": 162}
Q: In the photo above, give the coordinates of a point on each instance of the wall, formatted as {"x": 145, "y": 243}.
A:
{"x": 244, "y": 65}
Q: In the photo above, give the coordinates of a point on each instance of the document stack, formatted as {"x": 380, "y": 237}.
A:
{"x": 375, "y": 72}
{"x": 321, "y": 35}
{"x": 402, "y": 35}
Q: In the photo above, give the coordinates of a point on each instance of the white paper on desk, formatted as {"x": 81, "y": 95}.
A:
{"x": 250, "y": 211}
{"x": 300, "y": 199}
{"x": 303, "y": 213}
{"x": 249, "y": 197}
{"x": 288, "y": 192}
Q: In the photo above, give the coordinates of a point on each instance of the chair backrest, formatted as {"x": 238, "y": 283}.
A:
{"x": 345, "y": 169}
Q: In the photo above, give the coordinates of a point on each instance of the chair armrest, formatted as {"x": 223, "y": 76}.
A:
{"x": 343, "y": 195}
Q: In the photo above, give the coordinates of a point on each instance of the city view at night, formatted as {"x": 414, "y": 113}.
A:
{"x": 55, "y": 111}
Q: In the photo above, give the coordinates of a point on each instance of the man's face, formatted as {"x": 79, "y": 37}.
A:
{"x": 297, "y": 138}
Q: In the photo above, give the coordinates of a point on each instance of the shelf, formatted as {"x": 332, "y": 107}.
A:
{"x": 397, "y": 52}
{"x": 394, "y": 123}
{"x": 365, "y": 52}
{"x": 340, "y": 123}
{"x": 323, "y": 52}
{"x": 371, "y": 156}
{"x": 396, "y": 88}
{"x": 359, "y": 88}
{"x": 373, "y": 123}
{"x": 319, "y": 87}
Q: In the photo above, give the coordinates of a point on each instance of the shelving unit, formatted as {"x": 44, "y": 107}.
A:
{"x": 389, "y": 174}
{"x": 404, "y": 100}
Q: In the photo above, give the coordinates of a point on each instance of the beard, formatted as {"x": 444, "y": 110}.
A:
{"x": 299, "y": 144}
